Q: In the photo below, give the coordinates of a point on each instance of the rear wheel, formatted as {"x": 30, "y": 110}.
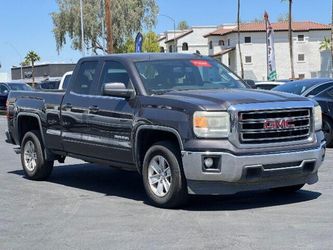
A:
{"x": 163, "y": 177}
{"x": 289, "y": 189}
{"x": 328, "y": 131}
{"x": 34, "y": 164}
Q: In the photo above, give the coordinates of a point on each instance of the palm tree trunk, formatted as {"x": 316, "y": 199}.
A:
{"x": 33, "y": 73}
{"x": 290, "y": 37}
{"x": 239, "y": 46}
{"x": 331, "y": 74}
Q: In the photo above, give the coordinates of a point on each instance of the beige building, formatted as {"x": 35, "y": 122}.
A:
{"x": 186, "y": 41}
{"x": 309, "y": 60}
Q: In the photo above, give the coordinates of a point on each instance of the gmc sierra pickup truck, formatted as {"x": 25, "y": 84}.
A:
{"x": 186, "y": 123}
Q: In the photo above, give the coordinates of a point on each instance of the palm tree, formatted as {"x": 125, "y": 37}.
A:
{"x": 332, "y": 40}
{"x": 238, "y": 33}
{"x": 290, "y": 38}
{"x": 31, "y": 58}
{"x": 326, "y": 44}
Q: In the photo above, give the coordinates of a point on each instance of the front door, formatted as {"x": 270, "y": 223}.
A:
{"x": 110, "y": 119}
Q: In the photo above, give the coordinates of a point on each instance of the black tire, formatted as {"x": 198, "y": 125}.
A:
{"x": 289, "y": 189}
{"x": 177, "y": 194}
{"x": 41, "y": 169}
{"x": 328, "y": 131}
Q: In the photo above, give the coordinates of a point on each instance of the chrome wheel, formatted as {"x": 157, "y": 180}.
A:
{"x": 159, "y": 176}
{"x": 30, "y": 156}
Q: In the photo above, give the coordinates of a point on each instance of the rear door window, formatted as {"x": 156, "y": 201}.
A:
{"x": 83, "y": 84}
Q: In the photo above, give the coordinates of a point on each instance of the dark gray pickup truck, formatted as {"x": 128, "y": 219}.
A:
{"x": 186, "y": 123}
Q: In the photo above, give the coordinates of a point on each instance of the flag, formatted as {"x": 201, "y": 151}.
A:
{"x": 138, "y": 43}
{"x": 271, "y": 65}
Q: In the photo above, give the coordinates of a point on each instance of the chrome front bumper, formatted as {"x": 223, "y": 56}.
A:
{"x": 251, "y": 172}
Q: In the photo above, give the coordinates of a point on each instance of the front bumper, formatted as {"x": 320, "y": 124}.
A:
{"x": 251, "y": 172}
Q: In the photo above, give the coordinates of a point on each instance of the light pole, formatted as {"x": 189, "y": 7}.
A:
{"x": 19, "y": 54}
{"x": 82, "y": 30}
{"x": 101, "y": 16}
{"x": 174, "y": 29}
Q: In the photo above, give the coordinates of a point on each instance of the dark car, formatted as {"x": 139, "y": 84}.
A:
{"x": 48, "y": 85}
{"x": 322, "y": 91}
{"x": 5, "y": 88}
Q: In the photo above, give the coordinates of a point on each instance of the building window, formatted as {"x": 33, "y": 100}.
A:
{"x": 300, "y": 38}
{"x": 162, "y": 50}
{"x": 170, "y": 48}
{"x": 221, "y": 43}
{"x": 228, "y": 42}
{"x": 247, "y": 39}
{"x": 248, "y": 59}
{"x": 301, "y": 57}
{"x": 185, "y": 47}
{"x": 211, "y": 45}
{"x": 301, "y": 76}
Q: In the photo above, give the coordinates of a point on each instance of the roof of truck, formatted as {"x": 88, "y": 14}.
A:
{"x": 150, "y": 56}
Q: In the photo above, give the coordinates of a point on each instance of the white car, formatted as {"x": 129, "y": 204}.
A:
{"x": 65, "y": 80}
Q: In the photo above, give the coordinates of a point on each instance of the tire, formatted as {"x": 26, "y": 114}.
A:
{"x": 164, "y": 159}
{"x": 32, "y": 157}
{"x": 328, "y": 131}
{"x": 289, "y": 189}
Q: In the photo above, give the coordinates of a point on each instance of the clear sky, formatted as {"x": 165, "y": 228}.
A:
{"x": 27, "y": 25}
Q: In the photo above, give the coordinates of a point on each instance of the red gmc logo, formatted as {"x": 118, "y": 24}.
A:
{"x": 278, "y": 124}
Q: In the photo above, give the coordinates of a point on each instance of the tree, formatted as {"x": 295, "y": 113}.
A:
{"x": 290, "y": 38}
{"x": 150, "y": 42}
{"x": 326, "y": 44}
{"x": 283, "y": 17}
{"x": 238, "y": 34}
{"x": 183, "y": 25}
{"x": 332, "y": 40}
{"x": 128, "y": 18}
{"x": 30, "y": 59}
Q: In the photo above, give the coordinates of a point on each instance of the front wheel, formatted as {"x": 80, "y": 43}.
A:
{"x": 163, "y": 177}
{"x": 328, "y": 131}
{"x": 34, "y": 164}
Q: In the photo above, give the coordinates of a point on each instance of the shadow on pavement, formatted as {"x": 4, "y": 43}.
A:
{"x": 113, "y": 182}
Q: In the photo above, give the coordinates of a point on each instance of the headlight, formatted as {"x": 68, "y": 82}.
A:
{"x": 318, "y": 120}
{"x": 211, "y": 124}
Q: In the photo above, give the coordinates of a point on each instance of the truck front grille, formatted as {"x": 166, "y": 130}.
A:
{"x": 270, "y": 126}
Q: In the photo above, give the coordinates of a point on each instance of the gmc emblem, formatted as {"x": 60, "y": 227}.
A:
{"x": 278, "y": 124}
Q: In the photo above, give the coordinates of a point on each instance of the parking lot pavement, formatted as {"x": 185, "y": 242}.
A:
{"x": 85, "y": 206}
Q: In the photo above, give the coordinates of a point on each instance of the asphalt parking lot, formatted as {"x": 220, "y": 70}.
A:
{"x": 86, "y": 206}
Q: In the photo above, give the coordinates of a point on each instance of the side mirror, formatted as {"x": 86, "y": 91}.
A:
{"x": 251, "y": 83}
{"x": 117, "y": 89}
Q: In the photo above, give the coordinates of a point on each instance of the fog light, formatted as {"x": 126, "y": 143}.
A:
{"x": 209, "y": 162}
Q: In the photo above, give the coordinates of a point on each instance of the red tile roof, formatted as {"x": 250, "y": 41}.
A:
{"x": 281, "y": 26}
{"x": 179, "y": 36}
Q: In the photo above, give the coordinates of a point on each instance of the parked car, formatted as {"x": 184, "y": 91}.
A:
{"x": 185, "y": 122}
{"x": 49, "y": 84}
{"x": 5, "y": 88}
{"x": 267, "y": 85}
{"x": 65, "y": 80}
{"x": 320, "y": 90}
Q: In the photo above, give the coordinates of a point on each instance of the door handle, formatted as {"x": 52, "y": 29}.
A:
{"x": 94, "y": 108}
{"x": 67, "y": 106}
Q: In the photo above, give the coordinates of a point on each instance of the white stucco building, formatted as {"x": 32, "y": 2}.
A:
{"x": 186, "y": 41}
{"x": 309, "y": 60}
{"x": 4, "y": 77}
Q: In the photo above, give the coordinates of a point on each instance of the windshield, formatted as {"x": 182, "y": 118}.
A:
{"x": 297, "y": 88}
{"x": 19, "y": 86}
{"x": 159, "y": 77}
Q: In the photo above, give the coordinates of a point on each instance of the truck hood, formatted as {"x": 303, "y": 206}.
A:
{"x": 224, "y": 98}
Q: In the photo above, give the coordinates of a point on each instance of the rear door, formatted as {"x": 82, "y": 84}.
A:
{"x": 75, "y": 108}
{"x": 110, "y": 119}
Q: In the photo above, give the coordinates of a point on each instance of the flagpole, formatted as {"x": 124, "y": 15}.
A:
{"x": 266, "y": 27}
